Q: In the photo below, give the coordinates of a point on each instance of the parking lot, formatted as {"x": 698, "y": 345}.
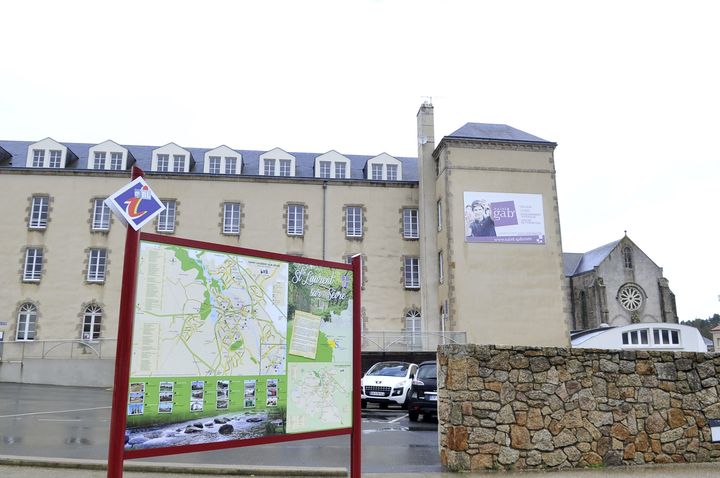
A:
{"x": 73, "y": 422}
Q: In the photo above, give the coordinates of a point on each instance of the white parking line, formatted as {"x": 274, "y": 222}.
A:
{"x": 54, "y": 411}
{"x": 59, "y": 420}
{"x": 397, "y": 419}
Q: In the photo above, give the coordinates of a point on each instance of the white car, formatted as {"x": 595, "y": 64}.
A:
{"x": 387, "y": 383}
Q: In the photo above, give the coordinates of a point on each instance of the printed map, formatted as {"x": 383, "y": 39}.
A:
{"x": 207, "y": 313}
{"x": 318, "y": 396}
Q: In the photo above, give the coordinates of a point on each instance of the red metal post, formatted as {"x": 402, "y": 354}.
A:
{"x": 356, "y": 435}
{"x": 123, "y": 351}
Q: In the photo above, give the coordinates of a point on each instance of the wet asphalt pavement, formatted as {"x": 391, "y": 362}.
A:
{"x": 73, "y": 422}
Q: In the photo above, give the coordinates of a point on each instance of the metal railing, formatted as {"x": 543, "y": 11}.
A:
{"x": 76, "y": 349}
{"x": 406, "y": 341}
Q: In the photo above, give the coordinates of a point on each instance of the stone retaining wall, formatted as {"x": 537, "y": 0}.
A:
{"x": 524, "y": 407}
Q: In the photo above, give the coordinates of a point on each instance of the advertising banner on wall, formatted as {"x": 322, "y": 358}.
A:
{"x": 228, "y": 346}
{"x": 504, "y": 217}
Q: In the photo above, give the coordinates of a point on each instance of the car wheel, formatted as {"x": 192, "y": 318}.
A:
{"x": 413, "y": 416}
{"x": 405, "y": 404}
{"x": 363, "y": 403}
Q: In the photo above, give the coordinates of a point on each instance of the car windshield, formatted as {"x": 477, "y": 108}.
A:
{"x": 389, "y": 369}
{"x": 427, "y": 371}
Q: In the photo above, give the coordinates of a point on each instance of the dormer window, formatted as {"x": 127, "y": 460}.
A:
{"x": 178, "y": 163}
{"x": 171, "y": 158}
{"x": 324, "y": 169}
{"x": 214, "y": 166}
{"x": 269, "y": 167}
{"x": 99, "y": 160}
{"x": 38, "y": 158}
{"x": 108, "y": 156}
{"x": 116, "y": 161}
{"x": 340, "y": 170}
{"x": 163, "y": 163}
{"x": 55, "y": 158}
{"x": 230, "y": 165}
{"x": 391, "y": 172}
{"x": 384, "y": 168}
{"x": 276, "y": 162}
{"x": 222, "y": 160}
{"x": 285, "y": 165}
{"x": 332, "y": 165}
{"x": 48, "y": 153}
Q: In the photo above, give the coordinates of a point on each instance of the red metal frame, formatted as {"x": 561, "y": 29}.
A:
{"x": 116, "y": 445}
{"x": 117, "y": 452}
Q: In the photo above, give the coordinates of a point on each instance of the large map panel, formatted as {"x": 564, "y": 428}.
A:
{"x": 228, "y": 346}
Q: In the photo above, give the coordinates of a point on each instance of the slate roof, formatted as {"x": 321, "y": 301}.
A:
{"x": 497, "y": 132}
{"x": 304, "y": 162}
{"x": 587, "y": 261}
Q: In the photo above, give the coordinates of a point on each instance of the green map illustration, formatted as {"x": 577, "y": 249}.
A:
{"x": 259, "y": 345}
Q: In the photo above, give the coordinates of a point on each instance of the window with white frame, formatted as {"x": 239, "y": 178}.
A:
{"x": 285, "y": 165}
{"x": 324, "y": 169}
{"x": 101, "y": 216}
{"x": 439, "y": 215}
{"x": 269, "y": 167}
{"x": 392, "y": 171}
{"x": 214, "y": 166}
{"x": 99, "y": 160}
{"x": 231, "y": 218}
{"x": 410, "y": 223}
{"x": 55, "y": 158}
{"x": 666, "y": 337}
{"x": 163, "y": 163}
{"x": 635, "y": 337}
{"x": 413, "y": 328}
{"x": 178, "y": 163}
{"x": 295, "y": 219}
{"x": 27, "y": 322}
{"x": 353, "y": 221}
{"x": 441, "y": 267}
{"x": 92, "y": 320}
{"x": 116, "y": 161}
{"x": 33, "y": 264}
{"x": 377, "y": 172}
{"x": 97, "y": 263}
{"x": 340, "y": 170}
{"x": 166, "y": 219}
{"x": 230, "y": 165}
{"x": 412, "y": 273}
{"x": 38, "y": 158}
{"x": 39, "y": 212}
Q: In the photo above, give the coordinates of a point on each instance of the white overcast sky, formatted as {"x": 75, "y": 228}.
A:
{"x": 628, "y": 89}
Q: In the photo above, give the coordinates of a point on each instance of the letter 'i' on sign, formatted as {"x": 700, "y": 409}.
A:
{"x": 135, "y": 203}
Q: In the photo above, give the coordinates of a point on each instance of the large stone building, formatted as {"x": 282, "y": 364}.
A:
{"x": 617, "y": 284}
{"x": 461, "y": 244}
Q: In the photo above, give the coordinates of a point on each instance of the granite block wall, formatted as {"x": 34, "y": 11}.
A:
{"x": 524, "y": 407}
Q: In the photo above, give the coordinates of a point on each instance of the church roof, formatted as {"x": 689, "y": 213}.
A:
{"x": 497, "y": 132}
{"x": 587, "y": 261}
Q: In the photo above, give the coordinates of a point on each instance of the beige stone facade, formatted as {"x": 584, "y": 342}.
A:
{"x": 423, "y": 283}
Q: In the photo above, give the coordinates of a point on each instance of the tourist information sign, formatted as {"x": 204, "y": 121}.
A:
{"x": 221, "y": 347}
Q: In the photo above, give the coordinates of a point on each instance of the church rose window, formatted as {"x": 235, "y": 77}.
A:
{"x": 630, "y": 297}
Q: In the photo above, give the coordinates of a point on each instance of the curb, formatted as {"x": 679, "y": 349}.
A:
{"x": 190, "y": 469}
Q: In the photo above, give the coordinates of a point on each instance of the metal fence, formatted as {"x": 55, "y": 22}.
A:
{"x": 406, "y": 341}
{"x": 18, "y": 351}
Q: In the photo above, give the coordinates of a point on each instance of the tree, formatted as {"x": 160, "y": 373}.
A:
{"x": 704, "y": 325}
